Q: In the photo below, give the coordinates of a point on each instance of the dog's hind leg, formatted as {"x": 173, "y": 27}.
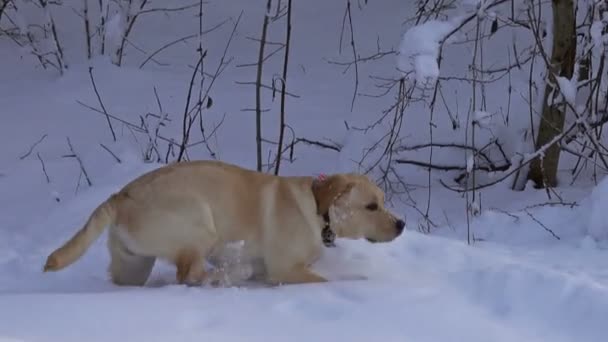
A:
{"x": 127, "y": 268}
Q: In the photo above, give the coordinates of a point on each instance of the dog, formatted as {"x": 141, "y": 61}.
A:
{"x": 186, "y": 212}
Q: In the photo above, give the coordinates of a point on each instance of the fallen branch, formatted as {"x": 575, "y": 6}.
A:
{"x": 488, "y": 168}
{"x": 515, "y": 167}
{"x": 542, "y": 225}
{"x": 450, "y": 145}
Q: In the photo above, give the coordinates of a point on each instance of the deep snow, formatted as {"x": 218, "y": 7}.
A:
{"x": 515, "y": 283}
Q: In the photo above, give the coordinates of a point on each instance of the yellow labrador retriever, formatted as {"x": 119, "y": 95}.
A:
{"x": 185, "y": 212}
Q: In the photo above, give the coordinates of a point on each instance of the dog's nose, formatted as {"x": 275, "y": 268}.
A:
{"x": 400, "y": 225}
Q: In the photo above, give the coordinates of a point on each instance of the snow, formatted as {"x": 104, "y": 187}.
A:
{"x": 419, "y": 50}
{"x": 535, "y": 271}
{"x": 115, "y": 28}
{"x": 568, "y": 89}
{"x": 598, "y": 219}
{"x": 482, "y": 118}
{"x": 470, "y": 163}
{"x": 596, "y": 29}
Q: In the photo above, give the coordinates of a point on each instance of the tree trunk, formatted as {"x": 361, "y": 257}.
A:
{"x": 543, "y": 171}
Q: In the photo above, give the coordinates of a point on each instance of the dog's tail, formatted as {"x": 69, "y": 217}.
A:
{"x": 74, "y": 248}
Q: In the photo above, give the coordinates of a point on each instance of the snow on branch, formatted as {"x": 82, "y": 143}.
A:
{"x": 421, "y": 45}
{"x": 419, "y": 50}
{"x": 520, "y": 161}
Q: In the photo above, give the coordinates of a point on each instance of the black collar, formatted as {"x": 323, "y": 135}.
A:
{"x": 327, "y": 234}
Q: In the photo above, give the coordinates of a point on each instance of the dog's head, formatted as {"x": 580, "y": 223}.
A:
{"x": 356, "y": 208}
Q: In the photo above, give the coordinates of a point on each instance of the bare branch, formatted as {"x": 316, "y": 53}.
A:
{"x": 283, "y": 91}
{"x": 179, "y": 40}
{"x": 32, "y": 147}
{"x": 258, "y": 94}
{"x": 352, "y": 44}
{"x": 167, "y": 9}
{"x": 525, "y": 160}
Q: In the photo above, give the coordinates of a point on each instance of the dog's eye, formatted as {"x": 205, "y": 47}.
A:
{"x": 372, "y": 206}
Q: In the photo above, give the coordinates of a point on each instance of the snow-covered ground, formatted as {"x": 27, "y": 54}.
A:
{"x": 516, "y": 282}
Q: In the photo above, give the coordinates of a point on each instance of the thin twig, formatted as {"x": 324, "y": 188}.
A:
{"x": 164, "y": 9}
{"x": 101, "y": 103}
{"x": 32, "y": 147}
{"x": 59, "y": 50}
{"x": 541, "y": 224}
{"x": 179, "y": 40}
{"x": 111, "y": 153}
{"x": 48, "y": 180}
{"x": 352, "y": 44}
{"x": 187, "y": 120}
{"x": 316, "y": 143}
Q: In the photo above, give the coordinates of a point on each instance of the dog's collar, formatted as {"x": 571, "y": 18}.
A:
{"x": 327, "y": 235}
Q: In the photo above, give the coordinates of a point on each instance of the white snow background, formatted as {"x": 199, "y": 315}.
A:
{"x": 517, "y": 282}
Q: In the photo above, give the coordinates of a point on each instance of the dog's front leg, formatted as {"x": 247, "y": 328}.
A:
{"x": 296, "y": 275}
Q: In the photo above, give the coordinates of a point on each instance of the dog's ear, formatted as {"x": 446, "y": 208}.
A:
{"x": 329, "y": 190}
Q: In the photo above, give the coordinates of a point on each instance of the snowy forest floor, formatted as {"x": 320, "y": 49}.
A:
{"x": 515, "y": 282}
